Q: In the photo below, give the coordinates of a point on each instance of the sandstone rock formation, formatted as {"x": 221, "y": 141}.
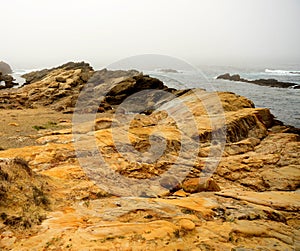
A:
{"x": 240, "y": 189}
{"x": 264, "y": 82}
{"x": 44, "y": 88}
{"x": 39, "y": 75}
{"x": 59, "y": 89}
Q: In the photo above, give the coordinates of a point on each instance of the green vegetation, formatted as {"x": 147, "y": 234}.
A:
{"x": 48, "y": 125}
{"x": 53, "y": 242}
{"x": 177, "y": 233}
{"x": 39, "y": 197}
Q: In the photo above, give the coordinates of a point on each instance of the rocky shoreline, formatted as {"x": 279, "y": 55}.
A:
{"x": 5, "y": 71}
{"x": 263, "y": 82}
{"x": 54, "y": 195}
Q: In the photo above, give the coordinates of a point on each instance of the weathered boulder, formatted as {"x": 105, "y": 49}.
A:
{"x": 5, "y": 68}
{"x": 196, "y": 185}
{"x": 8, "y": 81}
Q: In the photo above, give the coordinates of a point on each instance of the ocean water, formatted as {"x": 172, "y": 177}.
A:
{"x": 284, "y": 103}
{"x": 18, "y": 73}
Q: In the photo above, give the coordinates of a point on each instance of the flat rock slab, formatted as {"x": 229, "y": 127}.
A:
{"x": 287, "y": 201}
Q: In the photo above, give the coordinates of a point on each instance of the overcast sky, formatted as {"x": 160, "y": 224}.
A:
{"x": 39, "y": 33}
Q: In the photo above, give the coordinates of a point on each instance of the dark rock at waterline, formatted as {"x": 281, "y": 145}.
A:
{"x": 8, "y": 81}
{"x": 263, "y": 82}
{"x": 272, "y": 83}
{"x": 236, "y": 77}
{"x": 169, "y": 71}
{"x": 146, "y": 93}
{"x": 134, "y": 85}
{"x": 35, "y": 76}
{"x": 5, "y": 68}
{"x": 6, "y": 78}
{"x": 225, "y": 76}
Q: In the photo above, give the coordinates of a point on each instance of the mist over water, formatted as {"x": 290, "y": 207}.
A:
{"x": 254, "y": 38}
{"x": 215, "y": 32}
{"x": 284, "y": 103}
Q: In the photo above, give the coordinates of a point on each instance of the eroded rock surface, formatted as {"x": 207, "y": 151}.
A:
{"x": 59, "y": 88}
{"x": 239, "y": 191}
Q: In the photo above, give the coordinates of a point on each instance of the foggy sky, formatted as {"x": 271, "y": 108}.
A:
{"x": 46, "y": 33}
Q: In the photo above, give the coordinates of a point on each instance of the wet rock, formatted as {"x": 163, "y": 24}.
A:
{"x": 8, "y": 81}
{"x": 235, "y": 77}
{"x": 168, "y": 70}
{"x": 272, "y": 83}
{"x": 224, "y": 76}
{"x": 263, "y": 82}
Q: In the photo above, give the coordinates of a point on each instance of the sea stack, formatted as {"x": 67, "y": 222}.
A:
{"x": 5, "y": 68}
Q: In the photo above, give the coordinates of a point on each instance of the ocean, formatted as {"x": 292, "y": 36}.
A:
{"x": 284, "y": 103}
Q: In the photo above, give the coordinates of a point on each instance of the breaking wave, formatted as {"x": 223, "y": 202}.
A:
{"x": 282, "y": 72}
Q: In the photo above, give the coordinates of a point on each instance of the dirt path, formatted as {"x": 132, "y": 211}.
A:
{"x": 19, "y": 128}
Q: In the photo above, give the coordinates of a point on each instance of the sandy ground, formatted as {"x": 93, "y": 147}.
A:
{"x": 19, "y": 128}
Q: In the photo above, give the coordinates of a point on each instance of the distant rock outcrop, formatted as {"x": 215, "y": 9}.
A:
{"x": 5, "y": 68}
{"x": 39, "y": 75}
{"x": 168, "y": 70}
{"x": 59, "y": 89}
{"x": 263, "y": 82}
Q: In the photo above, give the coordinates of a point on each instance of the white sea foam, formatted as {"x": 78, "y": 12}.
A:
{"x": 282, "y": 72}
{"x": 283, "y": 102}
{"x": 24, "y": 71}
